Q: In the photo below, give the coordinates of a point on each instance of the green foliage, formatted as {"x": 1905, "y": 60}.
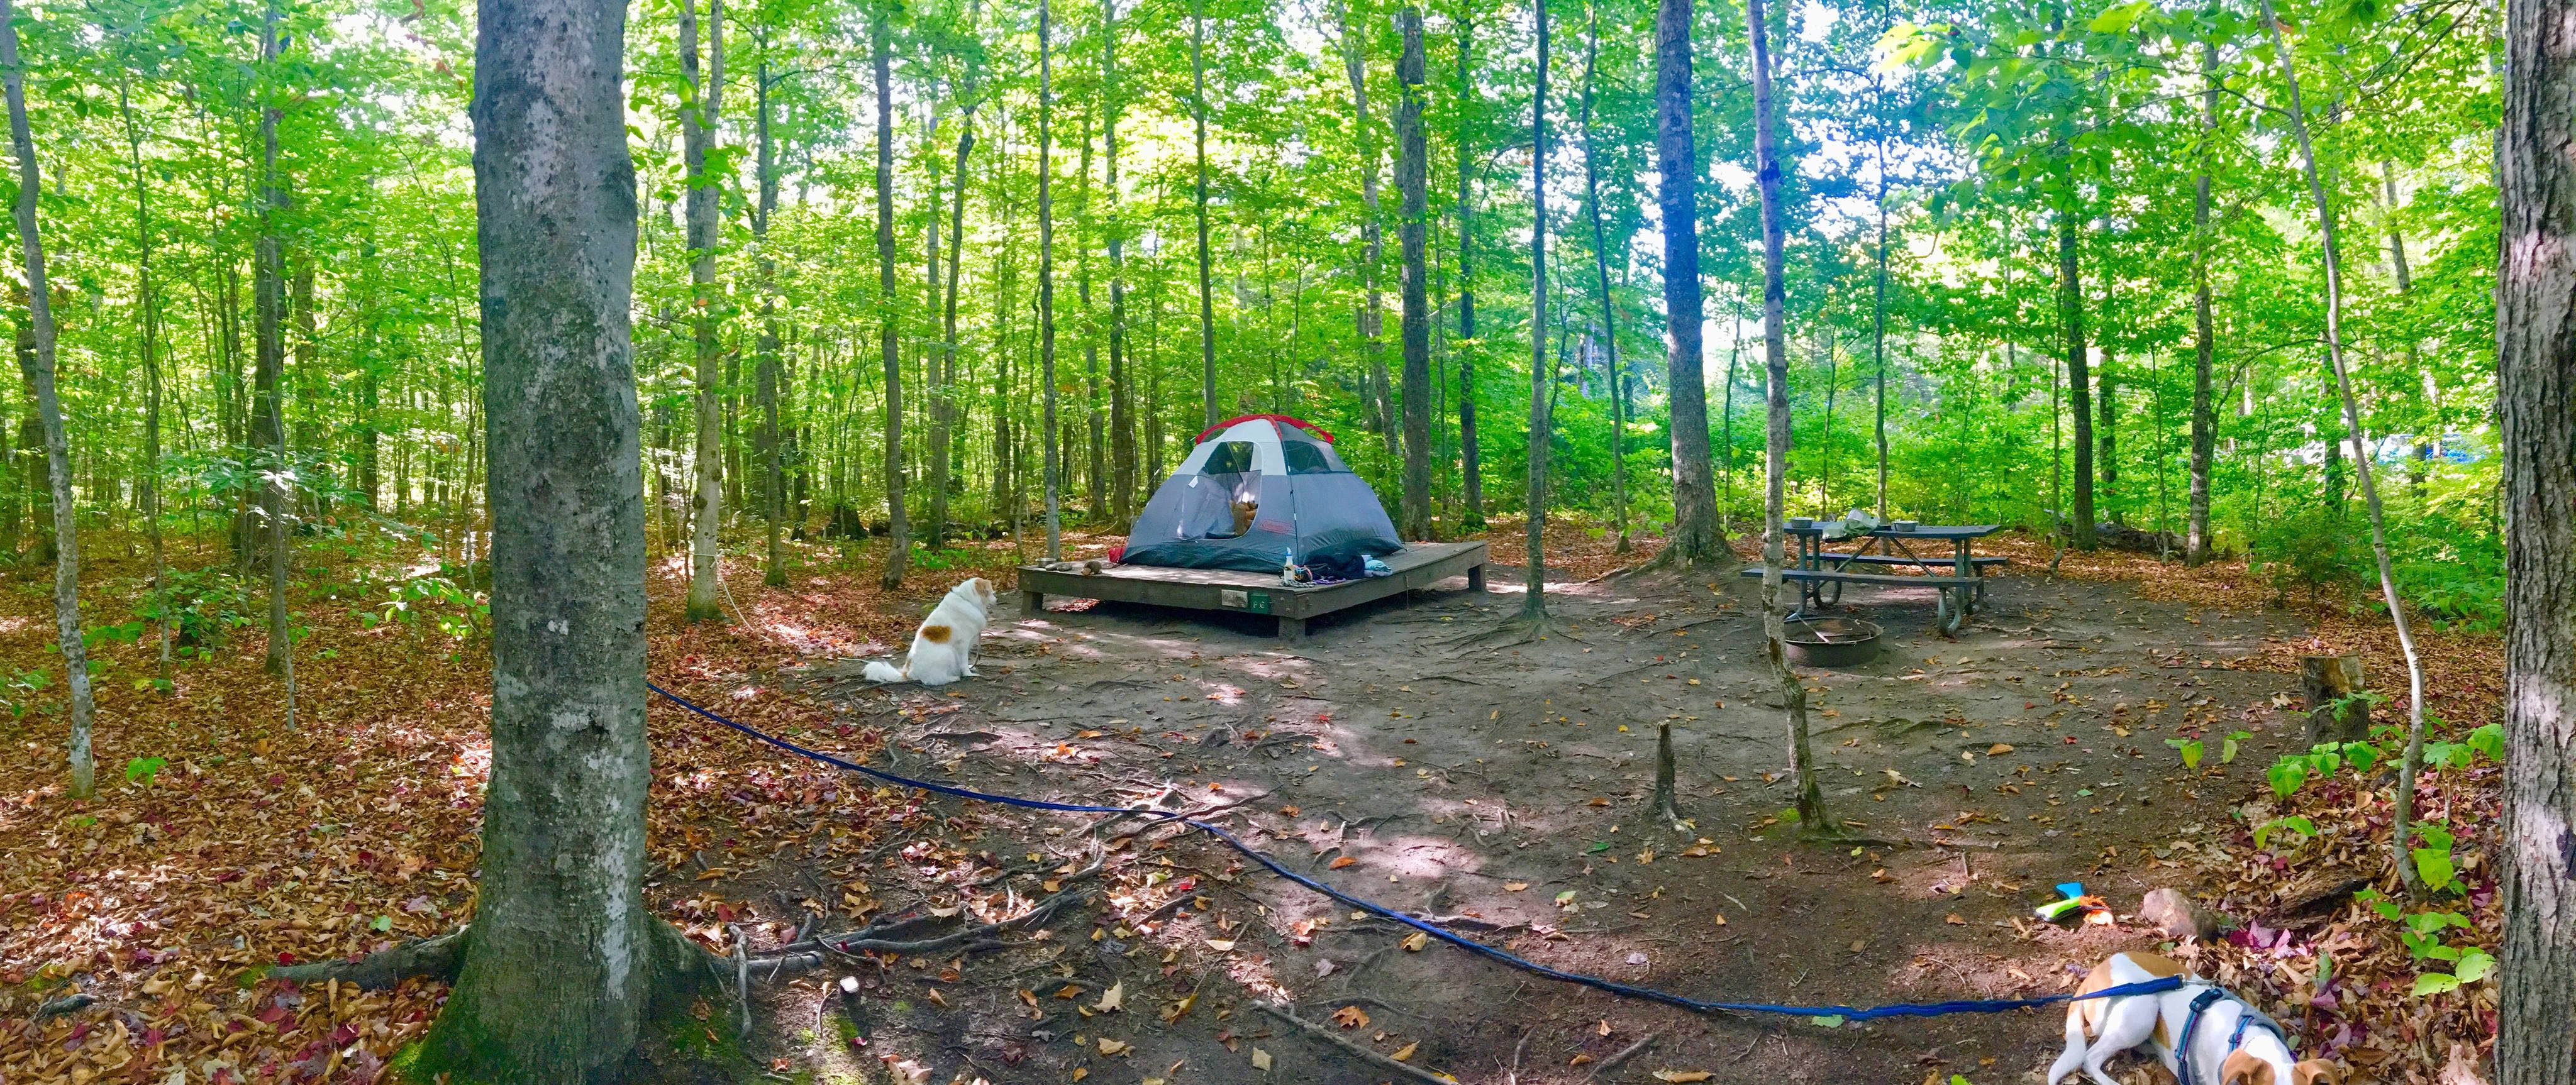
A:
{"x": 2312, "y": 551}
{"x": 2432, "y": 855}
{"x": 2191, "y": 751}
{"x": 142, "y": 770}
{"x": 2227, "y": 749}
{"x": 2299, "y": 824}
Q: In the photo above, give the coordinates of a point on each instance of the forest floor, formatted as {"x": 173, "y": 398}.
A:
{"x": 1392, "y": 754}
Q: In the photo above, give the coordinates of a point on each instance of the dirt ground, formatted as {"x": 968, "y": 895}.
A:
{"x": 1503, "y": 790}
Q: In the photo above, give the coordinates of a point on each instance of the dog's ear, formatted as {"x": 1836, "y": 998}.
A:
{"x": 2315, "y": 1072}
{"x": 2243, "y": 1069}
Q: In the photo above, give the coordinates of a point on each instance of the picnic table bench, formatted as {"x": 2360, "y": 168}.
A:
{"x": 1417, "y": 566}
{"x": 1960, "y": 579}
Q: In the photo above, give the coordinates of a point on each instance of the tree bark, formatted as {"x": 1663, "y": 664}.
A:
{"x": 1372, "y": 240}
{"x": 1207, "y": 295}
{"x": 2403, "y": 813}
{"x": 564, "y": 962}
{"x": 1775, "y": 352}
{"x": 1412, "y": 174}
{"x": 1122, "y": 422}
{"x": 37, "y": 366}
{"x": 898, "y": 531}
{"x": 2079, "y": 377}
{"x": 1534, "y": 577}
{"x": 1601, "y": 285}
{"x": 1052, "y": 433}
{"x": 277, "y": 497}
{"x": 766, "y": 370}
{"x": 149, "y": 347}
{"x": 1471, "y": 465}
{"x": 946, "y": 421}
{"x": 1697, "y": 540}
{"x": 2204, "y": 418}
{"x": 701, "y": 115}
{"x": 2536, "y": 397}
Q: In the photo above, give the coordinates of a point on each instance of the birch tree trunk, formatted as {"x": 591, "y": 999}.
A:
{"x": 37, "y": 366}
{"x": 2536, "y": 395}
{"x": 2204, "y": 418}
{"x": 1775, "y": 352}
{"x": 2413, "y": 763}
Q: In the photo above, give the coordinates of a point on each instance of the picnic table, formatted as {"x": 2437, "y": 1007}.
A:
{"x": 1960, "y": 576}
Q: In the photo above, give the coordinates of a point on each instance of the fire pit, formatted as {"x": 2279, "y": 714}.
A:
{"x": 1832, "y": 642}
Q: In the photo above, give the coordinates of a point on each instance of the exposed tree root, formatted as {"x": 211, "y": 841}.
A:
{"x": 436, "y": 957}
{"x": 893, "y": 936}
{"x": 1356, "y": 1051}
{"x": 1522, "y": 629}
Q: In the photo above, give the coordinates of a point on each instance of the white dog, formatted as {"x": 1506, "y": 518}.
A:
{"x": 2231, "y": 1045}
{"x": 943, "y": 650}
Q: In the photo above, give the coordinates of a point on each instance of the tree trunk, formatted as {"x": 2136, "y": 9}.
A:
{"x": 2403, "y": 813}
{"x": 766, "y": 371}
{"x": 1775, "y": 352}
{"x": 2204, "y": 418}
{"x": 1207, "y": 295}
{"x": 564, "y": 961}
{"x": 277, "y": 497}
{"x": 2535, "y": 387}
{"x": 945, "y": 417}
{"x": 1697, "y": 539}
{"x": 701, "y": 115}
{"x": 1601, "y": 285}
{"x": 2079, "y": 377}
{"x": 1471, "y": 466}
{"x": 1534, "y": 577}
{"x": 1122, "y": 422}
{"x": 898, "y": 532}
{"x": 1052, "y": 432}
{"x": 38, "y": 367}
{"x": 1372, "y": 240}
{"x": 1412, "y": 173}
{"x": 149, "y": 344}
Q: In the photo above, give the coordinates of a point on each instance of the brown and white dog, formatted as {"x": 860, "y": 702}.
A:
{"x": 2222, "y": 1053}
{"x": 943, "y": 649}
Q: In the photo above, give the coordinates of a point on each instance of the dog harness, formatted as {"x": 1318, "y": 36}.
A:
{"x": 2247, "y": 1017}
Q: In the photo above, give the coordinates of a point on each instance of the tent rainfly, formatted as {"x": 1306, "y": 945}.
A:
{"x": 1259, "y": 491}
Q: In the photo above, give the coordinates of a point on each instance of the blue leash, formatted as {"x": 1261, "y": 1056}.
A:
{"x": 1848, "y": 1013}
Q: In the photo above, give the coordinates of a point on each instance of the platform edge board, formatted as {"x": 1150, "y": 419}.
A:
{"x": 1200, "y": 589}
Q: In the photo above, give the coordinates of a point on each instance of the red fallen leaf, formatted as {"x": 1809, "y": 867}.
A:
{"x": 285, "y": 956}
{"x": 152, "y": 1037}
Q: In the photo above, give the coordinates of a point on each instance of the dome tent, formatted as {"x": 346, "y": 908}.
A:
{"x": 1258, "y": 490}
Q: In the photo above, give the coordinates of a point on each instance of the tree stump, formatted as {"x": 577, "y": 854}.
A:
{"x": 2334, "y": 714}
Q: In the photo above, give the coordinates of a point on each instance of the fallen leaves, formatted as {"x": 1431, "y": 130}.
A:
{"x": 1414, "y": 942}
{"x": 1682, "y": 1075}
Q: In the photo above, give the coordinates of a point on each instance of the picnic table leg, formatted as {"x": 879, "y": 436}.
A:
{"x": 1949, "y": 613}
{"x": 1475, "y": 578}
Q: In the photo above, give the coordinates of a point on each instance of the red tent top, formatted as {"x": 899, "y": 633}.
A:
{"x": 1300, "y": 423}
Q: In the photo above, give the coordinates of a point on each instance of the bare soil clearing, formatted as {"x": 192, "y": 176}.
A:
{"x": 1504, "y": 789}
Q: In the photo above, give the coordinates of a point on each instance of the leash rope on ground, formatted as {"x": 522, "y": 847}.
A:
{"x": 1848, "y": 1013}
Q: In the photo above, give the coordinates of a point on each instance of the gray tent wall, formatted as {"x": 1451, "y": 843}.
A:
{"x": 1310, "y": 505}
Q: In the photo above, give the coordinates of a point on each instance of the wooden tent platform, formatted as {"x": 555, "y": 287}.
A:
{"x": 1419, "y": 566}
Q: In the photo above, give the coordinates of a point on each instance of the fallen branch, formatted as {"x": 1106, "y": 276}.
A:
{"x": 1626, "y": 1053}
{"x": 1363, "y": 1054}
{"x": 874, "y": 938}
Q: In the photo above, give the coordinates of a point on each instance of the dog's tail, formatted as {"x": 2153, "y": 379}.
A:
{"x": 881, "y": 671}
{"x": 2072, "y": 1059}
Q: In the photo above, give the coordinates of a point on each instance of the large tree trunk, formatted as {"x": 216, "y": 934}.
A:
{"x": 37, "y": 366}
{"x": 2536, "y": 397}
{"x": 2204, "y": 418}
{"x": 2079, "y": 379}
{"x": 1697, "y": 538}
{"x": 898, "y": 532}
{"x": 277, "y": 497}
{"x": 1775, "y": 353}
{"x": 1207, "y": 295}
{"x": 701, "y": 114}
{"x": 1052, "y": 433}
{"x": 1534, "y": 578}
{"x": 1470, "y": 457}
{"x": 564, "y": 961}
{"x": 1412, "y": 173}
{"x": 2403, "y": 810}
{"x": 946, "y": 420}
